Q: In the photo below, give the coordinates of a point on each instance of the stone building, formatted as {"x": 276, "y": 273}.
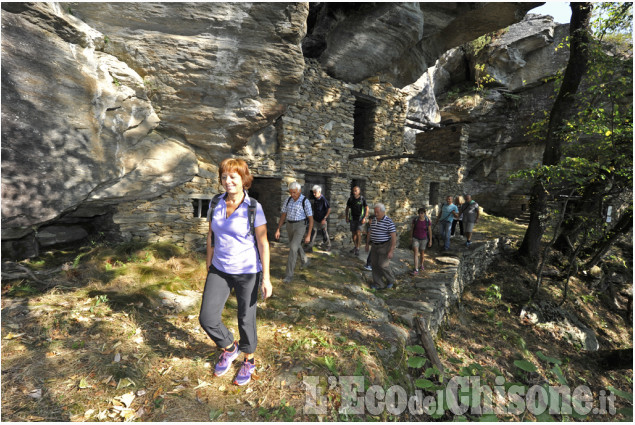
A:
{"x": 337, "y": 135}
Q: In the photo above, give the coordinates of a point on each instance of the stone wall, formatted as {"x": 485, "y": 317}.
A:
{"x": 315, "y": 138}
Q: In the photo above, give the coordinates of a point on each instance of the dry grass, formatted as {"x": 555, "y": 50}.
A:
{"x": 100, "y": 346}
{"x": 71, "y": 353}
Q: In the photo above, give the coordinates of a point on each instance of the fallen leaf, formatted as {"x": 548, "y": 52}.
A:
{"x": 221, "y": 388}
{"x": 83, "y": 383}
{"x": 117, "y": 357}
{"x": 89, "y": 413}
{"x": 202, "y": 384}
{"x": 126, "y": 382}
{"x": 126, "y": 399}
{"x": 11, "y": 335}
{"x": 177, "y": 389}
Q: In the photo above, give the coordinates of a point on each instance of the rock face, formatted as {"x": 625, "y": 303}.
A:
{"x": 398, "y": 41}
{"x": 521, "y": 63}
{"x": 218, "y": 72}
{"x": 526, "y": 53}
{"x": 81, "y": 139}
{"x": 104, "y": 103}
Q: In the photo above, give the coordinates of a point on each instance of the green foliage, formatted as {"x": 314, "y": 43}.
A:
{"x": 559, "y": 375}
{"x": 548, "y": 359}
{"x": 416, "y": 362}
{"x": 493, "y": 293}
{"x": 283, "y": 412}
{"x": 327, "y": 362}
{"x": 214, "y": 414}
{"x": 624, "y": 395}
{"x": 416, "y": 349}
{"x": 476, "y": 46}
{"x": 525, "y": 365}
{"x": 596, "y": 140}
{"x": 482, "y": 79}
{"x": 612, "y": 18}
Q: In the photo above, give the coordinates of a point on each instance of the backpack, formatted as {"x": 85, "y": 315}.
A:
{"x": 306, "y": 219}
{"x": 363, "y": 201}
{"x": 251, "y": 215}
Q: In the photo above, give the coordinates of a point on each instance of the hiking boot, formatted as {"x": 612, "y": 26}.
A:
{"x": 352, "y": 251}
{"x": 389, "y": 286}
{"x": 421, "y": 269}
{"x": 356, "y": 251}
{"x": 287, "y": 280}
{"x": 468, "y": 243}
{"x": 415, "y": 272}
{"x": 225, "y": 361}
{"x": 305, "y": 264}
{"x": 368, "y": 267}
{"x": 244, "y": 374}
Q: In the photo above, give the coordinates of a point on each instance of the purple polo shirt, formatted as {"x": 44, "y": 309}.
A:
{"x": 234, "y": 249}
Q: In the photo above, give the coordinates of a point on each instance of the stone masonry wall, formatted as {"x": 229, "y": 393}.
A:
{"x": 315, "y": 136}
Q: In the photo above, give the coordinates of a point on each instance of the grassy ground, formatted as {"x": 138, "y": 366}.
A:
{"x": 94, "y": 342}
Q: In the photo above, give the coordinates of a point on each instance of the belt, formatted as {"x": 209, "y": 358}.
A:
{"x": 381, "y": 243}
{"x": 295, "y": 221}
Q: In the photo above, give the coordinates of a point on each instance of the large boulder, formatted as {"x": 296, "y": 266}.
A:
{"x": 525, "y": 54}
{"x": 217, "y": 72}
{"x": 398, "y": 41}
{"x": 110, "y": 102}
{"x": 74, "y": 124}
{"x": 497, "y": 116}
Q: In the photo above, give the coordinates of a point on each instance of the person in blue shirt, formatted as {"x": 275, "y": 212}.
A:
{"x": 446, "y": 216}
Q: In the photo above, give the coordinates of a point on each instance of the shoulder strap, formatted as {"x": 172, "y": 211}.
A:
{"x": 306, "y": 216}
{"x": 210, "y": 211}
{"x": 252, "y": 217}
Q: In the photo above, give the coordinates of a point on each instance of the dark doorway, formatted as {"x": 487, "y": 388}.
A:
{"x": 362, "y": 186}
{"x": 268, "y": 191}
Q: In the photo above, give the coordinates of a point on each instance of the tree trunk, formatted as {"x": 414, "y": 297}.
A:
{"x": 576, "y": 68}
{"x": 623, "y": 225}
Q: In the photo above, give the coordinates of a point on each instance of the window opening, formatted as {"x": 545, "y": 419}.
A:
{"x": 434, "y": 193}
{"x": 200, "y": 207}
{"x": 364, "y": 122}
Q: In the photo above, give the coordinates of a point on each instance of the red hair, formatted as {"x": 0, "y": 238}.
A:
{"x": 239, "y": 166}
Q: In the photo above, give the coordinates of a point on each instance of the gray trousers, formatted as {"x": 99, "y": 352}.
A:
{"x": 381, "y": 264}
{"x": 295, "y": 233}
{"x": 317, "y": 228}
{"x": 217, "y": 288}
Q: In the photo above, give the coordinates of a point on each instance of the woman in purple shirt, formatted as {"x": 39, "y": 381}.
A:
{"x": 233, "y": 262}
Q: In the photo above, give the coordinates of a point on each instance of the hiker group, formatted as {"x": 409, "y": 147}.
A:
{"x": 238, "y": 250}
{"x": 306, "y": 219}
